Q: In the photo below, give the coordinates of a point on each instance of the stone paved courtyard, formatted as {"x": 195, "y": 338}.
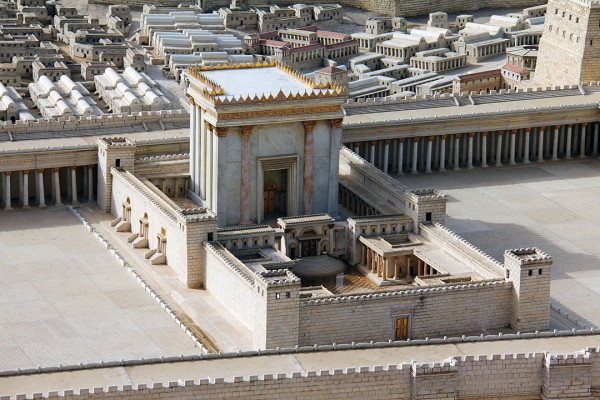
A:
{"x": 64, "y": 299}
{"x": 555, "y": 206}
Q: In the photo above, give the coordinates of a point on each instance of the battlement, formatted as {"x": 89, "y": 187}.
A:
{"x": 116, "y": 141}
{"x": 528, "y": 256}
{"x": 426, "y": 194}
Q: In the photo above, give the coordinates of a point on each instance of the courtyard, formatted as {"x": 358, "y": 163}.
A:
{"x": 64, "y": 299}
{"x": 553, "y": 206}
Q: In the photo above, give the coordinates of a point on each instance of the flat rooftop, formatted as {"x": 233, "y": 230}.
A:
{"x": 64, "y": 299}
{"x": 551, "y": 205}
{"x": 257, "y": 81}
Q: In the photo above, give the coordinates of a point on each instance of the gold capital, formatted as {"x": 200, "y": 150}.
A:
{"x": 336, "y": 123}
{"x": 56, "y": 169}
{"x": 247, "y": 130}
{"x": 221, "y": 131}
{"x": 309, "y": 126}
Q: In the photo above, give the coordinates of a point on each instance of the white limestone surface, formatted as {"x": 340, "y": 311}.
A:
{"x": 257, "y": 81}
{"x": 64, "y": 299}
{"x": 551, "y": 205}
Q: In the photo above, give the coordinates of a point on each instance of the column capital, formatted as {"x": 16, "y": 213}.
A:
{"x": 514, "y": 131}
{"x": 471, "y": 134}
{"x": 209, "y": 126}
{"x": 309, "y": 126}
{"x": 221, "y": 131}
{"x": 527, "y": 130}
{"x": 584, "y": 124}
{"x": 443, "y": 137}
{"x": 387, "y": 141}
{"x": 542, "y": 128}
{"x": 430, "y": 138}
{"x": 373, "y": 142}
{"x": 416, "y": 139}
{"x": 401, "y": 140}
{"x": 73, "y": 167}
{"x": 26, "y": 172}
{"x": 557, "y": 126}
{"x": 247, "y": 130}
{"x": 8, "y": 173}
{"x": 191, "y": 100}
{"x": 91, "y": 166}
{"x": 56, "y": 169}
{"x": 457, "y": 136}
{"x": 499, "y": 133}
{"x": 40, "y": 170}
{"x": 570, "y": 125}
{"x": 336, "y": 123}
{"x": 484, "y": 133}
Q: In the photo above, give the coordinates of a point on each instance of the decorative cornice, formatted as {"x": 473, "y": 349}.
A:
{"x": 281, "y": 112}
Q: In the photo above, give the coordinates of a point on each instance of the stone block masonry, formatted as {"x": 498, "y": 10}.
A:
{"x": 499, "y": 376}
{"x": 402, "y": 8}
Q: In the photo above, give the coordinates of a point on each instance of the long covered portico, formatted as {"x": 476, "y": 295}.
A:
{"x": 481, "y": 149}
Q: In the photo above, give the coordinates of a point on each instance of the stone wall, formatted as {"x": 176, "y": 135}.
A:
{"x": 402, "y": 8}
{"x": 507, "y": 376}
{"x": 228, "y": 283}
{"x": 434, "y": 312}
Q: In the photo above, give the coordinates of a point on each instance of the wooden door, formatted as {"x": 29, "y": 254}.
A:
{"x": 270, "y": 190}
{"x": 401, "y": 331}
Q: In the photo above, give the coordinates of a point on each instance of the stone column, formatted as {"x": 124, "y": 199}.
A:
{"x": 193, "y": 139}
{"x": 90, "y": 170}
{"x": 7, "y": 195}
{"x": 204, "y": 151}
{"x": 499, "y": 148}
{"x": 457, "y": 152}
{"x": 582, "y": 141}
{"x": 26, "y": 189}
{"x": 208, "y": 164}
{"x": 357, "y": 148}
{"x": 595, "y": 141}
{"x": 335, "y": 142}
{"x": 540, "y": 155}
{"x": 470, "y": 151}
{"x": 373, "y": 143}
{"x": 415, "y": 153}
{"x": 484, "y": 149}
{"x": 386, "y": 155}
{"x": 55, "y": 171}
{"x": 309, "y": 127}
{"x": 245, "y": 178}
{"x": 526, "y": 146}
{"x": 568, "y": 152}
{"x": 218, "y": 159}
{"x": 40, "y": 182}
{"x": 400, "y": 156}
{"x": 513, "y": 146}
{"x": 74, "y": 199}
{"x": 429, "y": 152}
{"x": 442, "y": 153}
{"x": 555, "y": 143}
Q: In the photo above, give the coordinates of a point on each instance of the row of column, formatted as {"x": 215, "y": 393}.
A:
{"x": 480, "y": 148}
{"x": 395, "y": 266}
{"x": 354, "y": 203}
{"x": 40, "y": 195}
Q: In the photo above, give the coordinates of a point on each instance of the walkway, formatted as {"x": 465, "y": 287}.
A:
{"x": 551, "y": 205}
{"x": 286, "y": 363}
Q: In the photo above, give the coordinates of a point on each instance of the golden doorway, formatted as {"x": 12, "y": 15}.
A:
{"x": 270, "y": 191}
{"x": 401, "y": 331}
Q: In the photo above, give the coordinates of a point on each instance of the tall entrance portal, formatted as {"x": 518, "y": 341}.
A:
{"x": 275, "y": 193}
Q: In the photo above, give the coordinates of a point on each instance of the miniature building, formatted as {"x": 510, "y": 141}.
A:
{"x": 519, "y": 66}
{"x": 438, "y": 20}
{"x": 11, "y": 105}
{"x": 63, "y": 98}
{"x": 479, "y": 81}
{"x": 129, "y": 92}
{"x": 571, "y": 29}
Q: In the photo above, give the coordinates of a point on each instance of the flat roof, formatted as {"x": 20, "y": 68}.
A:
{"x": 257, "y": 81}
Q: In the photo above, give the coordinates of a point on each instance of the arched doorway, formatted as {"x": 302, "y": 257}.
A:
{"x": 309, "y": 241}
{"x": 270, "y": 192}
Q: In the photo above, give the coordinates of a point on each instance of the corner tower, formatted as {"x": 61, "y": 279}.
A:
{"x": 264, "y": 142}
{"x": 569, "y": 51}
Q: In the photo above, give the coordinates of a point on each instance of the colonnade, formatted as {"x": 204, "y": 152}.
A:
{"x": 481, "y": 149}
{"x": 437, "y": 64}
{"x": 354, "y": 203}
{"x": 489, "y": 49}
{"x": 70, "y": 183}
{"x": 394, "y": 267}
